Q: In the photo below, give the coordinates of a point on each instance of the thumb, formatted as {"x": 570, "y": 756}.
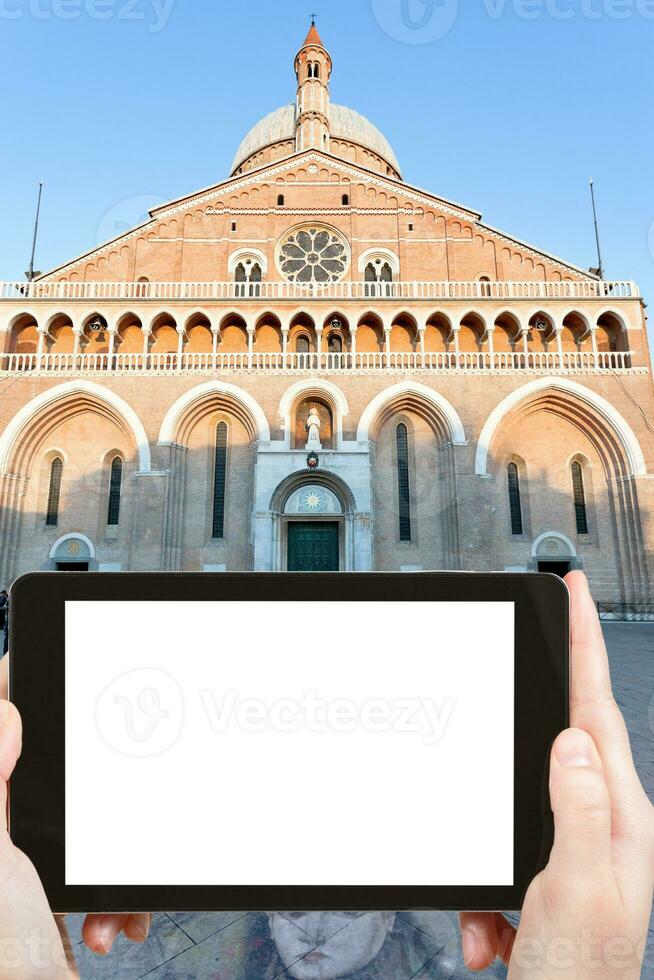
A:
{"x": 10, "y": 745}
{"x": 581, "y": 805}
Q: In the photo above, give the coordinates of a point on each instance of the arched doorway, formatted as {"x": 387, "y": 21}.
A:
{"x": 72, "y": 553}
{"x": 313, "y": 518}
{"x": 312, "y": 524}
{"x": 555, "y": 554}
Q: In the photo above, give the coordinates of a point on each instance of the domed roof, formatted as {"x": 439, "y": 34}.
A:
{"x": 344, "y": 124}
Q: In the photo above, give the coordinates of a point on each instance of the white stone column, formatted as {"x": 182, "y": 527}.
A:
{"x": 40, "y": 350}
{"x": 77, "y": 334}
{"x": 319, "y": 333}
{"x": 490, "y": 340}
{"x": 215, "y": 337}
{"x": 454, "y": 336}
{"x": 112, "y": 330}
{"x": 181, "y": 335}
{"x": 250, "y": 346}
{"x": 387, "y": 345}
{"x": 593, "y": 340}
{"x": 559, "y": 344}
{"x": 285, "y": 333}
{"x": 147, "y": 333}
{"x": 353, "y": 346}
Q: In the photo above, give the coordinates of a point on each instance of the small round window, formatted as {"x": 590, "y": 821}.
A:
{"x": 313, "y": 255}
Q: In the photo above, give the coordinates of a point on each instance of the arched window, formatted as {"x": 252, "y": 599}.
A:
{"x": 378, "y": 271}
{"x": 248, "y": 272}
{"x": 220, "y": 481}
{"x": 404, "y": 490}
{"x": 54, "y": 492}
{"x": 515, "y": 499}
{"x": 346, "y": 200}
{"x": 280, "y": 200}
{"x": 142, "y": 287}
{"x": 581, "y": 511}
{"x": 302, "y": 345}
{"x": 115, "y": 486}
{"x": 335, "y": 344}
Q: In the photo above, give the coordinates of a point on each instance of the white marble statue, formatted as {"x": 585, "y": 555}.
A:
{"x": 313, "y": 427}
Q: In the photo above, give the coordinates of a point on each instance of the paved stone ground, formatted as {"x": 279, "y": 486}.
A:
{"x": 232, "y": 946}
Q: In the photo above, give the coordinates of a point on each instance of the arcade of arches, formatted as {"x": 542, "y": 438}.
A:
{"x": 401, "y": 477}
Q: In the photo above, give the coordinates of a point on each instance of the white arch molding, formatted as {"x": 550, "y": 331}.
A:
{"x": 611, "y": 416}
{"x": 49, "y": 398}
{"x": 318, "y": 386}
{"x": 547, "y": 536}
{"x": 457, "y": 431}
{"x": 166, "y": 434}
{"x": 73, "y": 536}
{"x": 379, "y": 253}
{"x": 242, "y": 255}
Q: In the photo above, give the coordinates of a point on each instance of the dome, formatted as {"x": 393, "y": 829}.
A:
{"x": 345, "y": 124}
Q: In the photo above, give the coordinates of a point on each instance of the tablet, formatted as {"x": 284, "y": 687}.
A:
{"x": 245, "y": 741}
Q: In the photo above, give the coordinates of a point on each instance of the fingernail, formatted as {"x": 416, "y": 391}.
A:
{"x": 4, "y": 711}
{"x": 469, "y": 943}
{"x": 575, "y": 750}
{"x": 106, "y": 941}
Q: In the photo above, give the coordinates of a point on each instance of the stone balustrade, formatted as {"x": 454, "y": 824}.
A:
{"x": 211, "y": 363}
{"x": 42, "y": 290}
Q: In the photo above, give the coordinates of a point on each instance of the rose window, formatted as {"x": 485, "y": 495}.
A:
{"x": 313, "y": 255}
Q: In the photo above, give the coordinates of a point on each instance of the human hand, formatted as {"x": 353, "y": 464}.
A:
{"x": 99, "y": 931}
{"x": 586, "y": 916}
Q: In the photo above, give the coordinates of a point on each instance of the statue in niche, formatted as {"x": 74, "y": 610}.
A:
{"x": 313, "y": 427}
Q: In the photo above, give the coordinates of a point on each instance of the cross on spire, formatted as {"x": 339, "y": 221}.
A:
{"x": 313, "y": 37}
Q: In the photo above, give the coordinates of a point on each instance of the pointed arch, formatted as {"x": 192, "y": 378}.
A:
{"x": 230, "y": 396}
{"x": 420, "y": 397}
{"x": 86, "y": 391}
{"x": 615, "y": 422}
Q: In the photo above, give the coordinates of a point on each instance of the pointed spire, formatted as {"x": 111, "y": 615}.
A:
{"x": 313, "y": 37}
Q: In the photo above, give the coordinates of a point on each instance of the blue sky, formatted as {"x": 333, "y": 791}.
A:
{"x": 507, "y": 106}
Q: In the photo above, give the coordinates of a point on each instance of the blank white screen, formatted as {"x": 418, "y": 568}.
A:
{"x": 268, "y": 743}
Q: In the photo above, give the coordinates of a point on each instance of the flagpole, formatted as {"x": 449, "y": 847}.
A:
{"x": 30, "y": 273}
{"x": 597, "y": 234}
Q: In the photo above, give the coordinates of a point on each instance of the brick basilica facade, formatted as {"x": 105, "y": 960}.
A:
{"x": 314, "y": 364}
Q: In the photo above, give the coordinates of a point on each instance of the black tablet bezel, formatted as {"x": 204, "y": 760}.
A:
{"x": 37, "y": 687}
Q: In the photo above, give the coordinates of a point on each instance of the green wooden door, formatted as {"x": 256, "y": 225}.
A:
{"x": 313, "y": 546}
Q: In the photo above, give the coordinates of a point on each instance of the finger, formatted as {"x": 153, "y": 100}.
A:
{"x": 10, "y": 745}
{"x": 581, "y": 806}
{"x": 594, "y": 709}
{"x": 99, "y": 932}
{"x": 4, "y": 678}
{"x": 480, "y": 940}
{"x": 68, "y": 947}
{"x": 137, "y": 927}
